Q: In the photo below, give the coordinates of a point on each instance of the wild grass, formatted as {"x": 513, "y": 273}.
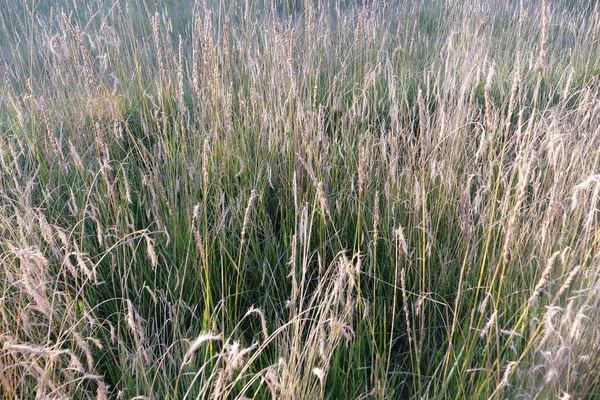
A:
{"x": 298, "y": 200}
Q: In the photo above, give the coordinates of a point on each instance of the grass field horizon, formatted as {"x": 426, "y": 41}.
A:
{"x": 299, "y": 199}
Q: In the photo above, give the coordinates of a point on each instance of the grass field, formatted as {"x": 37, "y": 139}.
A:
{"x": 299, "y": 199}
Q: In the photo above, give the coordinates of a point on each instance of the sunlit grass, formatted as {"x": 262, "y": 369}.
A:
{"x": 295, "y": 200}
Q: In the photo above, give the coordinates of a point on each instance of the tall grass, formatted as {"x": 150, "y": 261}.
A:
{"x": 296, "y": 199}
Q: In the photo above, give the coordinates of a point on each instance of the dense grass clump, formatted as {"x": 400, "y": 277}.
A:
{"x": 299, "y": 199}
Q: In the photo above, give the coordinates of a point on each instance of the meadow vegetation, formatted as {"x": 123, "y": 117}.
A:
{"x": 299, "y": 199}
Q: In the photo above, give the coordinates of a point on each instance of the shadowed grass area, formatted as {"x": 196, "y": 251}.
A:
{"x": 294, "y": 199}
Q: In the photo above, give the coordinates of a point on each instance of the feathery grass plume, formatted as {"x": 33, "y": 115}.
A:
{"x": 102, "y": 388}
{"x": 33, "y": 270}
{"x": 49, "y": 134}
{"x": 82, "y": 263}
{"x": 575, "y": 331}
{"x": 66, "y": 252}
{"x": 549, "y": 330}
{"x": 251, "y": 200}
{"x": 45, "y": 228}
{"x": 182, "y": 108}
{"x": 324, "y": 204}
{"x": 227, "y": 47}
{"x": 343, "y": 329}
{"x": 229, "y": 120}
{"x": 423, "y": 132}
{"x": 75, "y": 155}
{"x": 104, "y": 170}
{"x": 580, "y": 187}
{"x": 323, "y": 346}
{"x": 209, "y": 56}
{"x": 195, "y": 345}
{"x": 25, "y": 348}
{"x": 543, "y": 36}
{"x": 87, "y": 60}
{"x": 82, "y": 344}
{"x": 15, "y": 164}
{"x": 234, "y": 356}
{"x": 405, "y": 304}
{"x": 482, "y": 306}
{"x": 508, "y": 370}
{"x": 199, "y": 243}
{"x": 263, "y": 321}
{"x": 195, "y": 76}
{"x": 565, "y": 286}
{"x": 401, "y": 240}
{"x": 489, "y": 324}
{"x": 155, "y": 21}
{"x": 417, "y": 194}
{"x": 134, "y": 322}
{"x": 126, "y": 186}
{"x": 543, "y": 279}
{"x": 309, "y": 23}
{"x": 566, "y": 90}
{"x": 319, "y": 374}
{"x": 150, "y": 251}
{"x": 59, "y": 47}
{"x": 205, "y": 155}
